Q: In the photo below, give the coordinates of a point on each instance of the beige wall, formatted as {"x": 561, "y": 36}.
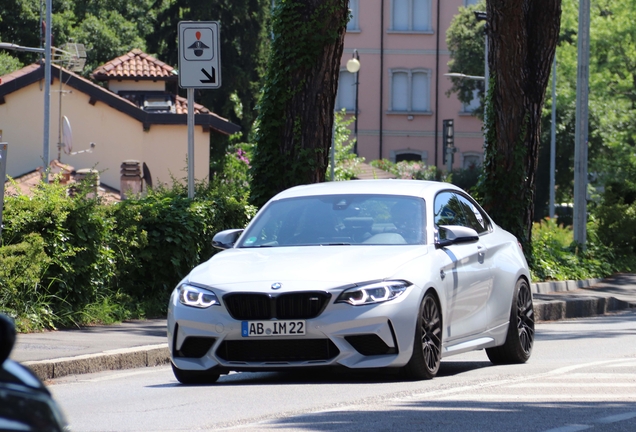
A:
{"x": 117, "y": 136}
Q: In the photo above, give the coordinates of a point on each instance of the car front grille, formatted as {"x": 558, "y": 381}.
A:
{"x": 289, "y": 350}
{"x": 295, "y": 305}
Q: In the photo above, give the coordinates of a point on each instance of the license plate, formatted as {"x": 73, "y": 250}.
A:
{"x": 272, "y": 328}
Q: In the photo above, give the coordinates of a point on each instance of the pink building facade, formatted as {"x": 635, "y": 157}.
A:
{"x": 401, "y": 91}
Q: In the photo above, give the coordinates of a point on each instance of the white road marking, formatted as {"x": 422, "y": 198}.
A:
{"x": 570, "y": 428}
{"x": 572, "y": 385}
{"x": 617, "y": 418}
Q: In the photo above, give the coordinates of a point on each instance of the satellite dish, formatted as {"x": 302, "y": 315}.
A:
{"x": 147, "y": 176}
{"x": 67, "y": 136}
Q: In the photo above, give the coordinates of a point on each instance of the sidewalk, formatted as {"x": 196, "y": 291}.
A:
{"x": 143, "y": 343}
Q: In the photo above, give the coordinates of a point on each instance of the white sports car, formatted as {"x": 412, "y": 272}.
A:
{"x": 360, "y": 274}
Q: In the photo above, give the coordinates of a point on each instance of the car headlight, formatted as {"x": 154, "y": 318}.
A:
{"x": 377, "y": 292}
{"x": 194, "y": 296}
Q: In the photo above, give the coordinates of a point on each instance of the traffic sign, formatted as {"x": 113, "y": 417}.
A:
{"x": 199, "y": 55}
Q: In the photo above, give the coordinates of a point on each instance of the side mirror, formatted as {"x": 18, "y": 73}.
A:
{"x": 226, "y": 239}
{"x": 455, "y": 234}
{"x": 7, "y": 337}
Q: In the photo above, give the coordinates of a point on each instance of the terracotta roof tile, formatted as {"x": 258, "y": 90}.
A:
{"x": 134, "y": 65}
{"x": 181, "y": 105}
{"x": 27, "y": 183}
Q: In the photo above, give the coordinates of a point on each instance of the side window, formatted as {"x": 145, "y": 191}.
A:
{"x": 448, "y": 210}
{"x": 474, "y": 217}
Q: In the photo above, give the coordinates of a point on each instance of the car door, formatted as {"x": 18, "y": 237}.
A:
{"x": 467, "y": 274}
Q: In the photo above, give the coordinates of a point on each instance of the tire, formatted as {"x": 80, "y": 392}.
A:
{"x": 520, "y": 337}
{"x": 427, "y": 348}
{"x": 194, "y": 377}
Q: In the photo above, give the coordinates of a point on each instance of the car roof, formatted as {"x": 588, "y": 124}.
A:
{"x": 419, "y": 188}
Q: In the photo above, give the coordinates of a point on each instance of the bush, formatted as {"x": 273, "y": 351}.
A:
{"x": 75, "y": 261}
{"x": 617, "y": 218}
{"x": 161, "y": 237}
{"x": 22, "y": 296}
{"x": 409, "y": 169}
{"x": 75, "y": 233}
{"x": 557, "y": 257}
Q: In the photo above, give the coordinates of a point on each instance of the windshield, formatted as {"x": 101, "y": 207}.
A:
{"x": 338, "y": 220}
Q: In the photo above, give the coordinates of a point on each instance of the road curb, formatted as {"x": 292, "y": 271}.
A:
{"x": 127, "y": 358}
{"x": 562, "y": 286}
{"x": 550, "y": 309}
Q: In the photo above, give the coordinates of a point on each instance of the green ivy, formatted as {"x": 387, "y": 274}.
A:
{"x": 504, "y": 175}
{"x": 299, "y": 38}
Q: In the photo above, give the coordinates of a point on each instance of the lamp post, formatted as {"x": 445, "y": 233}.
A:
{"x": 353, "y": 66}
{"x": 481, "y": 16}
{"x": 470, "y": 77}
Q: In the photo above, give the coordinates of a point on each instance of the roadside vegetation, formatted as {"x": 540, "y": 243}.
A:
{"x": 72, "y": 261}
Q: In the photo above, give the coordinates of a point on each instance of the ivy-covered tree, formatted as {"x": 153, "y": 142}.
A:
{"x": 296, "y": 109}
{"x": 522, "y": 39}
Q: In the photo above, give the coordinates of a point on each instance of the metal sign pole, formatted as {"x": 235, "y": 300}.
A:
{"x": 3, "y": 174}
{"x": 199, "y": 67}
{"x": 190, "y": 143}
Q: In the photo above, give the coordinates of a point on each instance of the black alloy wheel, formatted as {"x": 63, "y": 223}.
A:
{"x": 520, "y": 337}
{"x": 427, "y": 349}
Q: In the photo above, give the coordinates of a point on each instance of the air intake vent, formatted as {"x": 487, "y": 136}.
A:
{"x": 290, "y": 350}
{"x": 195, "y": 347}
{"x": 370, "y": 344}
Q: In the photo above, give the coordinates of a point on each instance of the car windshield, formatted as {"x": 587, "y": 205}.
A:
{"x": 338, "y": 220}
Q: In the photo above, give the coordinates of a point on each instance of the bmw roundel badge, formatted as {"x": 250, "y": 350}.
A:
{"x": 277, "y": 285}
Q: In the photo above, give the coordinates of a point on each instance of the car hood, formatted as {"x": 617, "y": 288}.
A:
{"x": 313, "y": 266}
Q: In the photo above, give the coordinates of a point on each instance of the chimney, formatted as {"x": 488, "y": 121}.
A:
{"x": 130, "y": 183}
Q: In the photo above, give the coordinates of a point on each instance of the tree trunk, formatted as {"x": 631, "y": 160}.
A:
{"x": 522, "y": 38}
{"x": 296, "y": 109}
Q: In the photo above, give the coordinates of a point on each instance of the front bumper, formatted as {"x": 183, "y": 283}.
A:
{"x": 371, "y": 336}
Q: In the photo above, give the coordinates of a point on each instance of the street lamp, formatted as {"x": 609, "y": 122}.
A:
{"x": 353, "y": 66}
{"x": 461, "y": 75}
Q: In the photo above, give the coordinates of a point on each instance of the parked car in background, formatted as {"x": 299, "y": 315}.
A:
{"x": 25, "y": 403}
{"x": 360, "y": 274}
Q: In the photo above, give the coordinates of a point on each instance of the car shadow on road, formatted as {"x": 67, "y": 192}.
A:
{"x": 333, "y": 375}
{"x": 453, "y": 415}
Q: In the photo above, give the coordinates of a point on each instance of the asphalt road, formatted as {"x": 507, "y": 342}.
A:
{"x": 582, "y": 376}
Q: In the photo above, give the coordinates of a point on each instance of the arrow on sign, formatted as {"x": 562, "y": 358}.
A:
{"x": 211, "y": 78}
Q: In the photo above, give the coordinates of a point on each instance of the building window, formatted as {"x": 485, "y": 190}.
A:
{"x": 470, "y": 2}
{"x": 353, "y": 24}
{"x": 410, "y": 91}
{"x": 346, "y": 97}
{"x": 474, "y": 103}
{"x": 471, "y": 160}
{"x": 411, "y": 15}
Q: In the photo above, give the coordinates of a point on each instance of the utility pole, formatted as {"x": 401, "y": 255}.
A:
{"x": 47, "y": 87}
{"x": 553, "y": 141}
{"x": 581, "y": 126}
